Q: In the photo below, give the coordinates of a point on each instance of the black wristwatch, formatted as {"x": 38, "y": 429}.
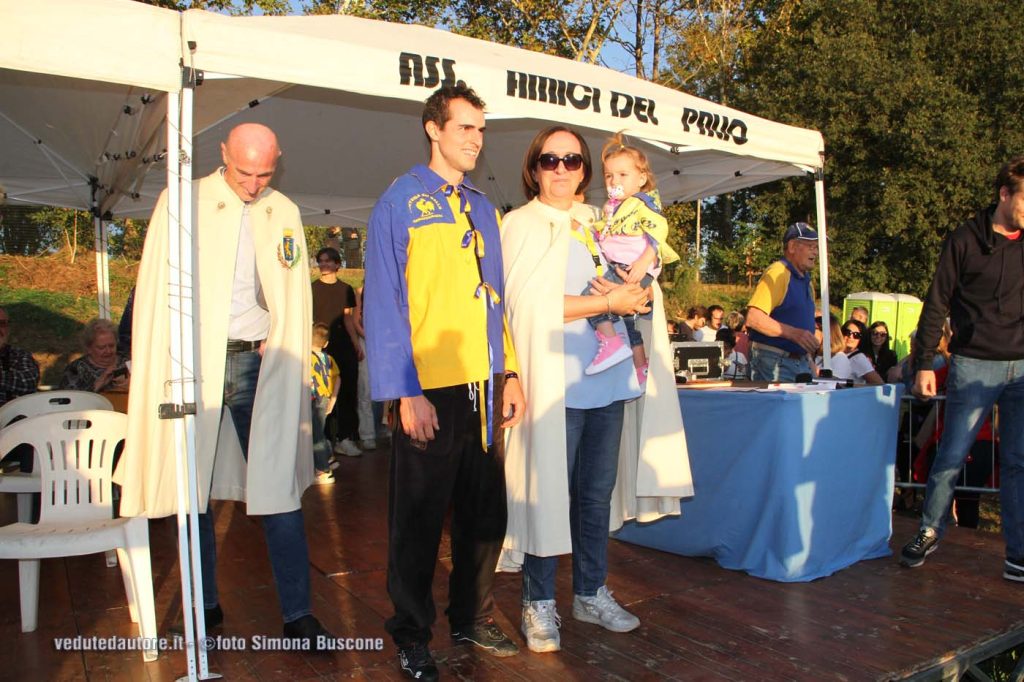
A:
{"x": 511, "y": 375}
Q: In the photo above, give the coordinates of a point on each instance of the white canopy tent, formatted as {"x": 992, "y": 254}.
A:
{"x": 81, "y": 121}
{"x": 340, "y": 90}
{"x": 337, "y": 89}
{"x": 344, "y": 95}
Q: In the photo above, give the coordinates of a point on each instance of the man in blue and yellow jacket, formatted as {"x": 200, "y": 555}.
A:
{"x": 780, "y": 315}
{"x": 437, "y": 343}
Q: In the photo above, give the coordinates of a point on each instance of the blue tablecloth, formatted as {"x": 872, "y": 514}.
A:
{"x": 788, "y": 486}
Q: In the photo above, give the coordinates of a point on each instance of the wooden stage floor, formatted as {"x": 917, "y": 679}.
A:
{"x": 699, "y": 622}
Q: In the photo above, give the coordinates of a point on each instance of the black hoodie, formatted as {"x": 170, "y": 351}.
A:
{"x": 979, "y": 282}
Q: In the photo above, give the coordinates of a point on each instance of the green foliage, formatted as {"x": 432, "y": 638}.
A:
{"x": 575, "y": 29}
{"x": 681, "y": 220}
{"x": 127, "y": 237}
{"x": 19, "y": 234}
{"x": 916, "y": 105}
{"x": 31, "y": 230}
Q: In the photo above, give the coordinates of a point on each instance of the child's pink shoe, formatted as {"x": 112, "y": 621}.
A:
{"x": 641, "y": 375}
{"x": 610, "y": 352}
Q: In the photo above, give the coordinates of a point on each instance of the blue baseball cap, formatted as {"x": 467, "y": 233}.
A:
{"x": 801, "y": 231}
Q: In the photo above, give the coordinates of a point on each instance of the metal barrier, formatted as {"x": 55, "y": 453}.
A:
{"x": 907, "y": 450}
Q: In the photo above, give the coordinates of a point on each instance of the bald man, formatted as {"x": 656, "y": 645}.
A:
{"x": 253, "y": 437}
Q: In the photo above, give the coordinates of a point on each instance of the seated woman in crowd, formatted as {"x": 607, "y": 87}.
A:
{"x": 858, "y": 364}
{"x": 737, "y": 322}
{"x": 735, "y": 364}
{"x": 877, "y": 348}
{"x": 101, "y": 368}
{"x": 840, "y": 365}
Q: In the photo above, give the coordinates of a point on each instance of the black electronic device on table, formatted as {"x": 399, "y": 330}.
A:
{"x": 697, "y": 360}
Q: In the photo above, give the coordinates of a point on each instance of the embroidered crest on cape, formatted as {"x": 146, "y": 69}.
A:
{"x": 287, "y": 252}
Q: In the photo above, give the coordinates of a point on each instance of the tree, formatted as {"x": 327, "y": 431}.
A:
{"x": 236, "y": 7}
{"x": 917, "y": 104}
{"x": 704, "y": 42}
{"x": 575, "y": 29}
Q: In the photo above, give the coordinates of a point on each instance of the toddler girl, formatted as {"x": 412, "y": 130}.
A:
{"x": 632, "y": 238}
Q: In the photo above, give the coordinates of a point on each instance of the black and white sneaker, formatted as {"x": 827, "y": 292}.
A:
{"x": 488, "y": 636}
{"x": 924, "y": 543}
{"x": 417, "y": 662}
{"x": 1013, "y": 569}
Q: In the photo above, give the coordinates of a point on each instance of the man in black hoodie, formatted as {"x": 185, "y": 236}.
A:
{"x": 979, "y": 283}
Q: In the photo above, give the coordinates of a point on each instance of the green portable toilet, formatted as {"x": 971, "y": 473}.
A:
{"x": 908, "y": 310}
{"x": 880, "y": 307}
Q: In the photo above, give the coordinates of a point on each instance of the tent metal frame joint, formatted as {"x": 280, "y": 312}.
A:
{"x": 175, "y": 410}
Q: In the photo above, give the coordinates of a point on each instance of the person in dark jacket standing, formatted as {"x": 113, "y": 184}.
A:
{"x": 979, "y": 283}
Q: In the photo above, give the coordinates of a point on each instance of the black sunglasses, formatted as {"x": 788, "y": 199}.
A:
{"x": 852, "y": 333}
{"x": 549, "y": 162}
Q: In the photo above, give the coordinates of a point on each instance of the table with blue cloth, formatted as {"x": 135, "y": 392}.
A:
{"x": 789, "y": 486}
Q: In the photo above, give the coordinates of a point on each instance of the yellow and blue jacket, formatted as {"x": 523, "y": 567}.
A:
{"x": 433, "y": 309}
{"x": 640, "y": 215}
{"x": 324, "y": 374}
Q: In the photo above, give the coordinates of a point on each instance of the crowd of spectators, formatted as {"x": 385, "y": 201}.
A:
{"x": 859, "y": 351}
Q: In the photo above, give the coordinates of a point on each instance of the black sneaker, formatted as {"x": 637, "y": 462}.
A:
{"x": 1013, "y": 569}
{"x": 924, "y": 543}
{"x": 417, "y": 662}
{"x": 310, "y": 632}
{"x": 488, "y": 636}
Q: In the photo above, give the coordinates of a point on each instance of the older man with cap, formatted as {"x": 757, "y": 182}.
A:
{"x": 780, "y": 318}
{"x": 252, "y": 339}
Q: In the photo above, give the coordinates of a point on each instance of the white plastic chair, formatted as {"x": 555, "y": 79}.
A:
{"x": 45, "y": 402}
{"x": 74, "y": 455}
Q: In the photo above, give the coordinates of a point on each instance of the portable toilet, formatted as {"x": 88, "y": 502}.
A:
{"x": 880, "y": 307}
{"x": 908, "y": 311}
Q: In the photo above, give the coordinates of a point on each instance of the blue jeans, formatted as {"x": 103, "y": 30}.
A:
{"x": 592, "y": 444}
{"x": 973, "y": 387}
{"x": 768, "y": 366}
{"x": 321, "y": 446}
{"x": 285, "y": 533}
{"x": 635, "y": 337}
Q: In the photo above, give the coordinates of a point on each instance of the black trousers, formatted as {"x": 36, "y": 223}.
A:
{"x": 453, "y": 471}
{"x": 345, "y": 416}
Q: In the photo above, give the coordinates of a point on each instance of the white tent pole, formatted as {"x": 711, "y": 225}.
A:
{"x": 819, "y": 197}
{"x": 174, "y": 311}
{"x": 188, "y": 282}
{"x": 102, "y": 269}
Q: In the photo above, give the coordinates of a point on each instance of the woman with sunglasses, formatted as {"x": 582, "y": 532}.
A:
{"x": 855, "y": 344}
{"x": 564, "y": 460}
{"x": 878, "y": 351}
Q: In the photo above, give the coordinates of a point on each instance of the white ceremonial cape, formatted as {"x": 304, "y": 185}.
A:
{"x": 654, "y": 468}
{"x": 280, "y": 463}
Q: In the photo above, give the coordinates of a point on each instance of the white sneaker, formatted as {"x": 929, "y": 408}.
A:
{"x": 368, "y": 444}
{"x": 603, "y": 610}
{"x": 323, "y": 478}
{"x": 540, "y": 626}
{"x": 348, "y": 448}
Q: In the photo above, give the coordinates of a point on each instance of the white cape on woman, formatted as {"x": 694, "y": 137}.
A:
{"x": 654, "y": 468}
